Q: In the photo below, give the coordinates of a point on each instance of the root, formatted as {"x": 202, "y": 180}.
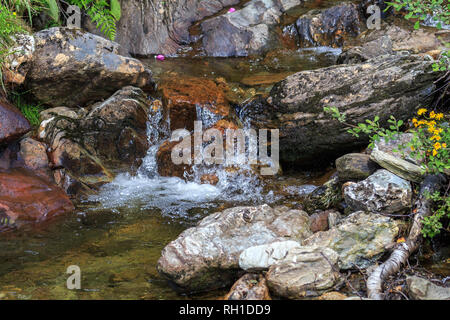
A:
{"x": 401, "y": 254}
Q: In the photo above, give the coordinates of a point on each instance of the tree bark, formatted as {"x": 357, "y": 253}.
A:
{"x": 401, "y": 254}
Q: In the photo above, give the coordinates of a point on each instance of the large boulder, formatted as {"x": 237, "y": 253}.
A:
{"x": 72, "y": 68}
{"x": 305, "y": 271}
{"x": 360, "y": 91}
{"x": 244, "y": 31}
{"x": 207, "y": 256}
{"x": 13, "y": 124}
{"x": 359, "y": 239}
{"x": 26, "y": 197}
{"x": 147, "y": 28}
{"x": 92, "y": 143}
{"x": 382, "y": 192}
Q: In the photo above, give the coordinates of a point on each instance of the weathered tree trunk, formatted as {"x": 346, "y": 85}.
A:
{"x": 401, "y": 254}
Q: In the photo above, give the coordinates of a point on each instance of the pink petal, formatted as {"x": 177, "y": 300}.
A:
{"x": 160, "y": 57}
{"x": 231, "y": 10}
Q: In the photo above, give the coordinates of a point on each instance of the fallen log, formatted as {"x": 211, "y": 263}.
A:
{"x": 401, "y": 253}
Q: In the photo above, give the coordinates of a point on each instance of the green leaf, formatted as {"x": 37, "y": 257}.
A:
{"x": 116, "y": 11}
{"x": 53, "y": 9}
{"x": 417, "y": 25}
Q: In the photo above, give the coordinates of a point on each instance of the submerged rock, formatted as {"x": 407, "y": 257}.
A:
{"x": 249, "y": 287}
{"x": 305, "y": 271}
{"x": 13, "y": 124}
{"x": 26, "y": 197}
{"x": 207, "y": 256}
{"x": 90, "y": 144}
{"x": 423, "y": 289}
{"x": 359, "y": 239}
{"x": 361, "y": 91}
{"x": 72, "y": 68}
{"x": 382, "y": 192}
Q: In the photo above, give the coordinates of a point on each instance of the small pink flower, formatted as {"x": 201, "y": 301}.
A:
{"x": 231, "y": 10}
{"x": 160, "y": 57}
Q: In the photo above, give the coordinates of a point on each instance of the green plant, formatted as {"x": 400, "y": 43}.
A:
{"x": 31, "y": 111}
{"x": 430, "y": 145}
{"x": 104, "y": 13}
{"x": 421, "y": 10}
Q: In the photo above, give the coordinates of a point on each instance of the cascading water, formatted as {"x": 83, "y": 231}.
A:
{"x": 175, "y": 197}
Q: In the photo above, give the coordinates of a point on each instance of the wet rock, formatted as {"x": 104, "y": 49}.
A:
{"x": 355, "y": 166}
{"x": 359, "y": 239}
{"x": 249, "y": 287}
{"x": 33, "y": 156}
{"x": 207, "y": 256}
{"x": 18, "y": 62}
{"x": 324, "y": 197}
{"x": 306, "y": 271}
{"x": 91, "y": 144}
{"x": 13, "y": 124}
{"x": 423, "y": 289}
{"x": 72, "y": 68}
{"x": 262, "y": 257}
{"x": 166, "y": 167}
{"x": 295, "y": 105}
{"x": 26, "y": 197}
{"x": 382, "y": 192}
{"x": 189, "y": 99}
{"x": 211, "y": 179}
{"x": 329, "y": 27}
{"x": 147, "y": 28}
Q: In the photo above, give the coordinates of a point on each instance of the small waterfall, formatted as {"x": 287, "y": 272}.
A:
{"x": 176, "y": 197}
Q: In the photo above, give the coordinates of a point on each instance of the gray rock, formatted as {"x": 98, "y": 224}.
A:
{"x": 207, "y": 256}
{"x": 382, "y": 192}
{"x": 359, "y": 239}
{"x": 295, "y": 105}
{"x": 422, "y": 289}
{"x": 249, "y": 287}
{"x": 355, "y": 166}
{"x": 398, "y": 166}
{"x": 306, "y": 271}
{"x": 262, "y": 257}
{"x": 245, "y": 31}
{"x": 72, "y": 68}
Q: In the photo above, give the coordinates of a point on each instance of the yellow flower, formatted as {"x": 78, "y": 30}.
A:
{"x": 432, "y": 115}
{"x": 444, "y": 145}
{"x": 439, "y": 116}
{"x": 434, "y": 152}
{"x": 412, "y": 148}
{"x": 421, "y": 111}
{"x": 14, "y": 13}
{"x": 437, "y": 131}
{"x": 437, "y": 138}
{"x": 437, "y": 146}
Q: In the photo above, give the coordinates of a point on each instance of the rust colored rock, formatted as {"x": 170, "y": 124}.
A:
{"x": 209, "y": 179}
{"x": 166, "y": 167}
{"x": 319, "y": 221}
{"x": 13, "y": 124}
{"x": 249, "y": 287}
{"x": 184, "y": 95}
{"x": 27, "y": 197}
